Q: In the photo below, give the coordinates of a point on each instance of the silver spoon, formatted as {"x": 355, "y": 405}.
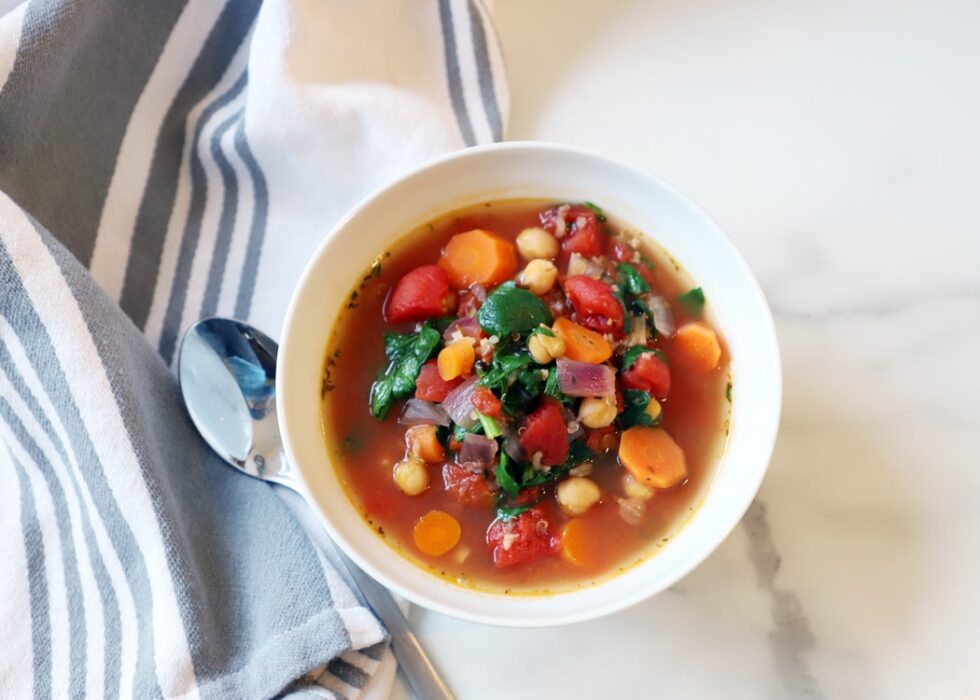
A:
{"x": 227, "y": 372}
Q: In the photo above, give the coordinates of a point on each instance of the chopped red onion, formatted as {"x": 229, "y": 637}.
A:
{"x": 419, "y": 412}
{"x": 467, "y": 326}
{"x": 578, "y": 264}
{"x": 638, "y": 331}
{"x": 585, "y": 379}
{"x": 512, "y": 444}
{"x": 663, "y": 318}
{"x": 477, "y": 453}
{"x": 479, "y": 291}
{"x": 458, "y": 404}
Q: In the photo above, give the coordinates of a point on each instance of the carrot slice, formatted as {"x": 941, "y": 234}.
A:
{"x": 652, "y": 457}
{"x": 423, "y": 443}
{"x": 582, "y": 344}
{"x": 436, "y": 533}
{"x": 478, "y": 257}
{"x": 700, "y": 345}
{"x": 582, "y": 543}
{"x": 455, "y": 360}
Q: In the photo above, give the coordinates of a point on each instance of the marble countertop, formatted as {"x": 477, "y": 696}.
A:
{"x": 838, "y": 144}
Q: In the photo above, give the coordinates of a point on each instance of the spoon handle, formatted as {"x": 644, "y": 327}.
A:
{"x": 419, "y": 671}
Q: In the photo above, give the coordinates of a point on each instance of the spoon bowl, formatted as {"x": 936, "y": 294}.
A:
{"x": 227, "y": 373}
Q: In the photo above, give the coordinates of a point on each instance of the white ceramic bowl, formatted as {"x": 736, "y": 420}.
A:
{"x": 561, "y": 173}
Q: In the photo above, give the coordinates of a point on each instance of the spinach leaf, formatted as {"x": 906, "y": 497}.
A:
{"x": 523, "y": 392}
{"x": 599, "y": 214}
{"x": 632, "y": 355}
{"x": 552, "y": 389}
{"x": 542, "y": 330}
{"x": 490, "y": 427}
{"x": 459, "y": 432}
{"x": 442, "y": 435}
{"x": 693, "y": 301}
{"x": 509, "y": 309}
{"x": 406, "y": 355}
{"x": 635, "y": 412}
{"x": 537, "y": 477}
{"x": 578, "y": 452}
{"x": 498, "y": 377}
{"x": 634, "y": 282}
{"x": 504, "y": 477}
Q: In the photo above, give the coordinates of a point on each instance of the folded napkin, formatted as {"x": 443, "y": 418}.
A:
{"x": 161, "y": 161}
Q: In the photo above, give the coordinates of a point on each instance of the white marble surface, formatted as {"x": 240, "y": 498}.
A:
{"x": 838, "y": 144}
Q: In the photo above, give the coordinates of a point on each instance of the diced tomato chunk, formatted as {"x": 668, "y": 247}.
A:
{"x": 486, "y": 402}
{"x": 595, "y": 305}
{"x": 646, "y": 273}
{"x": 555, "y": 301}
{"x": 583, "y": 232}
{"x": 619, "y": 249}
{"x": 521, "y": 539}
{"x": 545, "y": 432}
{"x": 649, "y": 373}
{"x": 532, "y": 494}
{"x": 430, "y": 386}
{"x": 601, "y": 440}
{"x": 469, "y": 489}
{"x": 422, "y": 293}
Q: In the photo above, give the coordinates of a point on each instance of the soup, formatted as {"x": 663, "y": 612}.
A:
{"x": 524, "y": 397}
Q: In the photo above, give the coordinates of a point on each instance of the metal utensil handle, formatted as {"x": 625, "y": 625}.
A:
{"x": 419, "y": 671}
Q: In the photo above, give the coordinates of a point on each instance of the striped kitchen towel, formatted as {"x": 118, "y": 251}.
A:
{"x": 160, "y": 161}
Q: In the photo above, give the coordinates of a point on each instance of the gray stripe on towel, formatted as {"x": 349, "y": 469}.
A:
{"x": 485, "y": 71}
{"x": 32, "y": 333}
{"x": 112, "y": 631}
{"x": 142, "y": 270}
{"x": 226, "y": 222}
{"x": 59, "y": 120}
{"x": 453, "y": 79}
{"x": 218, "y": 528}
{"x": 260, "y": 214}
{"x": 192, "y": 227}
{"x": 37, "y": 584}
{"x": 73, "y": 587}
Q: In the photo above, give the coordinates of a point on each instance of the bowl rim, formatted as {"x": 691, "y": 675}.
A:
{"x": 766, "y": 438}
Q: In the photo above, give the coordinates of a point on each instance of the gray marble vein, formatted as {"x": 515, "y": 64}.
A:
{"x": 790, "y": 639}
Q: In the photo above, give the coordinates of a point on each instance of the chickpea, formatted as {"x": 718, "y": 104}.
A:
{"x": 597, "y": 412}
{"x": 653, "y": 410}
{"x": 545, "y": 348}
{"x": 634, "y": 489}
{"x": 411, "y": 476}
{"x": 577, "y": 494}
{"x": 536, "y": 243}
{"x": 631, "y": 510}
{"x": 539, "y": 276}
